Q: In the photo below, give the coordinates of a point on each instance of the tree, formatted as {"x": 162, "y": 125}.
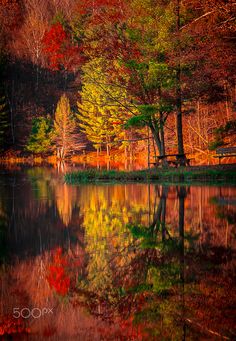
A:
{"x": 30, "y": 35}
{"x": 59, "y": 50}
{"x": 152, "y": 98}
{"x": 139, "y": 41}
{"x": 64, "y": 128}
{"x": 40, "y": 141}
{"x": 104, "y": 106}
{"x": 179, "y": 127}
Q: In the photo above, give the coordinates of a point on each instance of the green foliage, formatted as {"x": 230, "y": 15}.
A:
{"x": 40, "y": 140}
{"x": 142, "y": 287}
{"x": 230, "y": 127}
{"x": 149, "y": 113}
{"x": 59, "y": 18}
{"x": 160, "y": 75}
{"x": 215, "y": 144}
{"x": 165, "y": 176}
{"x": 164, "y": 277}
{"x": 152, "y": 239}
{"x": 94, "y": 175}
{"x": 222, "y": 132}
{"x": 145, "y": 116}
{"x": 137, "y": 122}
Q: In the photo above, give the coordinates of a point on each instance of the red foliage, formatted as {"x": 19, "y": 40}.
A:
{"x": 58, "y": 277}
{"x": 9, "y": 325}
{"x": 49, "y": 331}
{"x": 61, "y": 53}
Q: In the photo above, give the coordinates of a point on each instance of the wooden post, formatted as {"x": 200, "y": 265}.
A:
{"x": 148, "y": 145}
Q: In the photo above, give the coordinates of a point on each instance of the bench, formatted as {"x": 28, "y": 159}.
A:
{"x": 178, "y": 161}
{"x": 225, "y": 152}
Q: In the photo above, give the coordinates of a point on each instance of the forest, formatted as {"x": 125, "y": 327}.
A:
{"x": 97, "y": 242}
{"x": 106, "y": 76}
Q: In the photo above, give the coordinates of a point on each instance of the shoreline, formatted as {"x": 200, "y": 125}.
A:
{"x": 223, "y": 174}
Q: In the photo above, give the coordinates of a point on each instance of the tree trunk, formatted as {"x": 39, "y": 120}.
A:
{"x": 160, "y": 142}
{"x": 156, "y": 139}
{"x": 108, "y": 150}
{"x": 148, "y": 148}
{"x": 162, "y": 136}
{"x": 126, "y": 152}
{"x": 63, "y": 154}
{"x": 163, "y": 213}
{"x": 182, "y": 195}
{"x": 179, "y": 126}
{"x": 58, "y": 153}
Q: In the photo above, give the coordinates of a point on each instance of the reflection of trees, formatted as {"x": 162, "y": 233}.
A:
{"x": 177, "y": 314}
{"x": 50, "y": 189}
{"x": 143, "y": 266}
{"x": 6, "y": 215}
{"x": 164, "y": 280}
{"x": 152, "y": 273}
{"x": 66, "y": 201}
{"x": 28, "y": 218}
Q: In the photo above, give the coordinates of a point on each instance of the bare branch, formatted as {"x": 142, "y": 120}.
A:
{"x": 197, "y": 19}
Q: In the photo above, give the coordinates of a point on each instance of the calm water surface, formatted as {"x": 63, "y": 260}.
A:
{"x": 115, "y": 262}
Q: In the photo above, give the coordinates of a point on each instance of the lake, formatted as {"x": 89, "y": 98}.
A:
{"x": 115, "y": 261}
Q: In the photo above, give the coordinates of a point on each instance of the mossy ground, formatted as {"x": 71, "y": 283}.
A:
{"x": 204, "y": 174}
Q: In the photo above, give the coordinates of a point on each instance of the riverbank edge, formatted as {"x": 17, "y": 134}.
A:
{"x": 208, "y": 174}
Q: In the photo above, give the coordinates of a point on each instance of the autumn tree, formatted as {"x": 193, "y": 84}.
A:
{"x": 59, "y": 50}
{"x": 63, "y": 134}
{"x": 104, "y": 106}
{"x": 123, "y": 40}
{"x": 28, "y": 44}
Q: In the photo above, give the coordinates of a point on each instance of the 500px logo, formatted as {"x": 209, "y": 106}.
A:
{"x": 34, "y": 312}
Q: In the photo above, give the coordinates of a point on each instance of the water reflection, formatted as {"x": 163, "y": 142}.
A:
{"x": 115, "y": 262}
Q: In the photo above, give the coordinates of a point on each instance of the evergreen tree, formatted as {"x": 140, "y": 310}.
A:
{"x": 40, "y": 140}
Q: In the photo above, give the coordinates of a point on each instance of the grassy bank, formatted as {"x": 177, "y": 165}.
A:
{"x": 180, "y": 175}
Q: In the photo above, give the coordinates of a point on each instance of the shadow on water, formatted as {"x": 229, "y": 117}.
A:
{"x": 115, "y": 262}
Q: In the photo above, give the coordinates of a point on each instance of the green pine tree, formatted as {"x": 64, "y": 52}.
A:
{"x": 40, "y": 140}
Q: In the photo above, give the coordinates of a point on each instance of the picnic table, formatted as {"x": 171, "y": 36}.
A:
{"x": 225, "y": 152}
{"x": 175, "y": 160}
